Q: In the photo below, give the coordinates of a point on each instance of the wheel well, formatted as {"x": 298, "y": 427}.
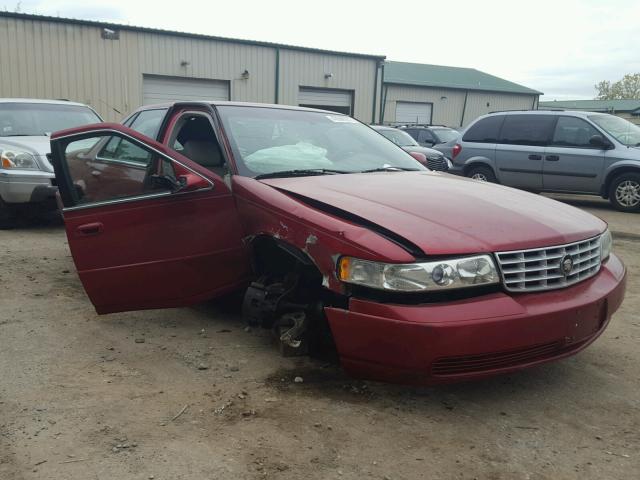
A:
{"x": 612, "y": 175}
{"x": 469, "y": 166}
{"x": 272, "y": 256}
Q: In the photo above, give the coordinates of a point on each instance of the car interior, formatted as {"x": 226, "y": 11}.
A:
{"x": 195, "y": 139}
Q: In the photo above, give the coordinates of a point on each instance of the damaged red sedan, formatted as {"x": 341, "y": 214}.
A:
{"x": 338, "y": 236}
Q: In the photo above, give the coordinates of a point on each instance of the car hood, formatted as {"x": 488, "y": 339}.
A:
{"x": 444, "y": 214}
{"x": 427, "y": 152}
{"x": 36, "y": 145}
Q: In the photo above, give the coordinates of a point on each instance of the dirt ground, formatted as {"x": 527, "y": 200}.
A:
{"x": 188, "y": 394}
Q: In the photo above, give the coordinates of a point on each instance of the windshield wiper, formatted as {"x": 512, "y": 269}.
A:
{"x": 391, "y": 169}
{"x": 299, "y": 173}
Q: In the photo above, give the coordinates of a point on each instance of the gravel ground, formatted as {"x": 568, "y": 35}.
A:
{"x": 189, "y": 394}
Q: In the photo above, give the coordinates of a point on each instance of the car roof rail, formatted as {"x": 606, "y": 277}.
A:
{"x": 529, "y": 110}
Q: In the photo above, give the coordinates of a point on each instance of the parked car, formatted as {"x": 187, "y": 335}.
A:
{"x": 431, "y": 135}
{"x": 26, "y": 176}
{"x": 435, "y": 160}
{"x": 555, "y": 151}
{"x": 337, "y": 235}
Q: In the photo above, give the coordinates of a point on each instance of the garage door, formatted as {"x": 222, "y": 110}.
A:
{"x": 413, "y": 112}
{"x": 156, "y": 89}
{"x": 334, "y": 100}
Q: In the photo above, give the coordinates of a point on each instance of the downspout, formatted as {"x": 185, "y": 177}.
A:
{"x": 464, "y": 107}
{"x": 375, "y": 92}
{"x": 276, "y": 95}
{"x": 381, "y": 114}
{"x": 533, "y": 107}
{"x": 384, "y": 104}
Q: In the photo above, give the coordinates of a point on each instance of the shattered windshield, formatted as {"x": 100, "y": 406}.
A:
{"x": 271, "y": 140}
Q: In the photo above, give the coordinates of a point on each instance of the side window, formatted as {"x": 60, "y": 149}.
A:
{"x": 130, "y": 169}
{"x": 194, "y": 138}
{"x": 413, "y": 132}
{"x": 485, "y": 130}
{"x": 118, "y": 149}
{"x": 573, "y": 132}
{"x": 534, "y": 130}
{"x": 424, "y": 136}
{"x": 148, "y": 122}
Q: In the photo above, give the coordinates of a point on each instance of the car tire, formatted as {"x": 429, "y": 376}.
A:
{"x": 482, "y": 173}
{"x": 624, "y": 192}
{"x": 8, "y": 216}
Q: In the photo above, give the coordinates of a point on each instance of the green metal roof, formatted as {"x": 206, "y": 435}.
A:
{"x": 425, "y": 75}
{"x": 594, "y": 105}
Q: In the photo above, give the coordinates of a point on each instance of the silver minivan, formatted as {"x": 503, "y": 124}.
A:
{"x": 554, "y": 151}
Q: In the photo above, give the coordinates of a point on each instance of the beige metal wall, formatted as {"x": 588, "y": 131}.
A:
{"x": 479, "y": 103}
{"x": 298, "y": 68}
{"x": 448, "y": 104}
{"x": 446, "y": 111}
{"x": 46, "y": 59}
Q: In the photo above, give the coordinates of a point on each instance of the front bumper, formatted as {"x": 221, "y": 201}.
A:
{"x": 477, "y": 337}
{"x": 24, "y": 186}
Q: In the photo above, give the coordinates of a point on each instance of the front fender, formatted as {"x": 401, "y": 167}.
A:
{"x": 322, "y": 237}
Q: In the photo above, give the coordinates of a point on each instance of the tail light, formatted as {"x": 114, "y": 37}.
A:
{"x": 457, "y": 148}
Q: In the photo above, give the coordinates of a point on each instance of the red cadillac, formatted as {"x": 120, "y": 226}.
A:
{"x": 337, "y": 235}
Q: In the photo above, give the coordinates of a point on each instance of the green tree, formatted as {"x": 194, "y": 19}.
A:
{"x": 626, "y": 88}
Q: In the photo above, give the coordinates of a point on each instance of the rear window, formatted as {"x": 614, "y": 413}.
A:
{"x": 532, "y": 130}
{"x": 485, "y": 130}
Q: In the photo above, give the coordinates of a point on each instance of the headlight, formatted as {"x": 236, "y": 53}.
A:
{"x": 415, "y": 277}
{"x": 606, "y": 244}
{"x": 13, "y": 158}
{"x": 449, "y": 164}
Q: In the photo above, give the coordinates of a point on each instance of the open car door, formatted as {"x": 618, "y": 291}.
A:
{"x": 147, "y": 228}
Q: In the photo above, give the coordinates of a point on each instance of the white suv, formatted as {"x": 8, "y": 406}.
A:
{"x": 26, "y": 175}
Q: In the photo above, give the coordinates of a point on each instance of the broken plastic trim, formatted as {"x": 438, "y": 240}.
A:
{"x": 410, "y": 247}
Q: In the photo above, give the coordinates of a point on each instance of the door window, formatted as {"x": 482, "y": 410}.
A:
{"x": 532, "y": 130}
{"x": 112, "y": 167}
{"x": 148, "y": 122}
{"x": 485, "y": 130}
{"x": 193, "y": 137}
{"x": 573, "y": 132}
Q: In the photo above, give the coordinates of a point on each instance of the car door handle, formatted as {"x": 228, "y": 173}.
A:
{"x": 96, "y": 173}
{"x": 535, "y": 157}
{"x": 89, "y": 229}
{"x": 552, "y": 158}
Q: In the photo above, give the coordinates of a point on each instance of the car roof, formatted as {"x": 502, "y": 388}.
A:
{"x": 575, "y": 113}
{"x": 40, "y": 100}
{"x": 221, "y": 103}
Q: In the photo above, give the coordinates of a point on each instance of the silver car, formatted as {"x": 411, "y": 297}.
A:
{"x": 26, "y": 175}
{"x": 555, "y": 151}
{"x": 435, "y": 160}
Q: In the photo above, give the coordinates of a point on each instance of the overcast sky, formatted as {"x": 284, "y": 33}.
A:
{"x": 560, "y": 47}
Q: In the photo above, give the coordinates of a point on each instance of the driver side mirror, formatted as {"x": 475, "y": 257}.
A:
{"x": 187, "y": 182}
{"x": 599, "y": 141}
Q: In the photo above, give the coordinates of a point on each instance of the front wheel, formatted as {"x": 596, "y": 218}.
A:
{"x": 624, "y": 193}
{"x": 482, "y": 174}
{"x": 8, "y": 216}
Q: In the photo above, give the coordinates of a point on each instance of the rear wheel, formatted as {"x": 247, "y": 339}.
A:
{"x": 482, "y": 173}
{"x": 624, "y": 192}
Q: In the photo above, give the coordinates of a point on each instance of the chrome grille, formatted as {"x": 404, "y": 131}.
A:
{"x": 437, "y": 163}
{"x": 541, "y": 268}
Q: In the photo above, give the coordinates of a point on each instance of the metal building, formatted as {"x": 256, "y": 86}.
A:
{"x": 116, "y": 68}
{"x": 627, "y": 109}
{"x": 452, "y": 96}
